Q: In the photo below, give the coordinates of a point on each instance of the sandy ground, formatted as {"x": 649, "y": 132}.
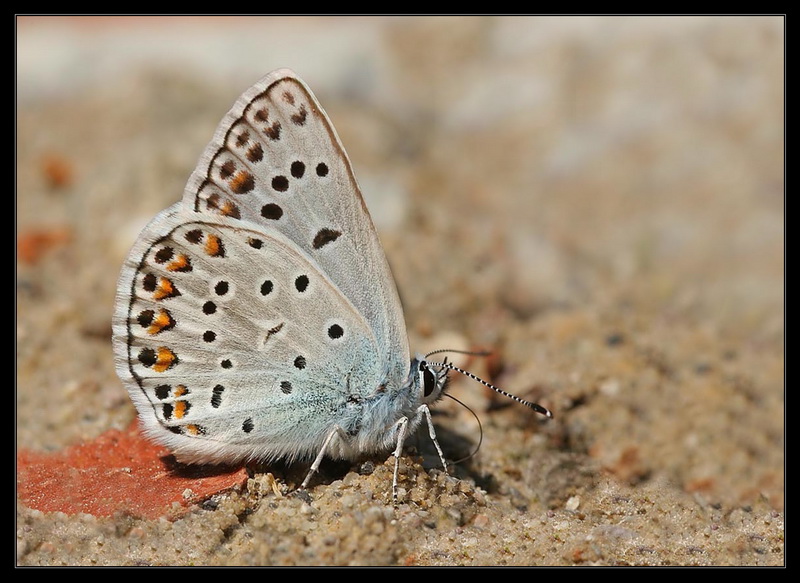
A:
{"x": 598, "y": 200}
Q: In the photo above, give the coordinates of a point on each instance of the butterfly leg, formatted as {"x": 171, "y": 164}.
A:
{"x": 335, "y": 432}
{"x": 402, "y": 433}
{"x": 402, "y": 429}
{"x": 424, "y": 410}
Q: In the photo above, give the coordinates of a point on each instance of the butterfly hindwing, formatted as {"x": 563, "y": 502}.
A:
{"x": 234, "y": 341}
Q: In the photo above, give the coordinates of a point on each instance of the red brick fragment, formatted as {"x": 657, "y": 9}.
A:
{"x": 120, "y": 471}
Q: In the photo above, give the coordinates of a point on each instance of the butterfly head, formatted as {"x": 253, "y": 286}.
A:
{"x": 431, "y": 380}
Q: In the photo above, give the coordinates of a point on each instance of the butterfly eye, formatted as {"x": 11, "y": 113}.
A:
{"x": 428, "y": 379}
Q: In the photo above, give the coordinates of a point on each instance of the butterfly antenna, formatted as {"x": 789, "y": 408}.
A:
{"x": 535, "y": 406}
{"x": 467, "y": 352}
{"x": 480, "y": 426}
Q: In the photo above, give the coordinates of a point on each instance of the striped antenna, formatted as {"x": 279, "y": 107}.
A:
{"x": 535, "y": 406}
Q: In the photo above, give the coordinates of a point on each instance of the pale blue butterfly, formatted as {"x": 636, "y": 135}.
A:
{"x": 257, "y": 318}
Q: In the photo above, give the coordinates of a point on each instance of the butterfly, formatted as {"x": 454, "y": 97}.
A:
{"x": 257, "y": 319}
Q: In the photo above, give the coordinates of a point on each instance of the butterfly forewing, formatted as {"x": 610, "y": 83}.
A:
{"x": 277, "y": 163}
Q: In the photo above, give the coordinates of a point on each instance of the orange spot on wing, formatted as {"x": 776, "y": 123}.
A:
{"x": 213, "y": 245}
{"x": 242, "y": 182}
{"x": 180, "y": 263}
{"x": 180, "y": 409}
{"x": 161, "y": 321}
{"x": 165, "y": 289}
{"x": 165, "y": 359}
{"x": 230, "y": 210}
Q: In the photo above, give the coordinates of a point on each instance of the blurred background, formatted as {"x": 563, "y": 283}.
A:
{"x": 600, "y": 200}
